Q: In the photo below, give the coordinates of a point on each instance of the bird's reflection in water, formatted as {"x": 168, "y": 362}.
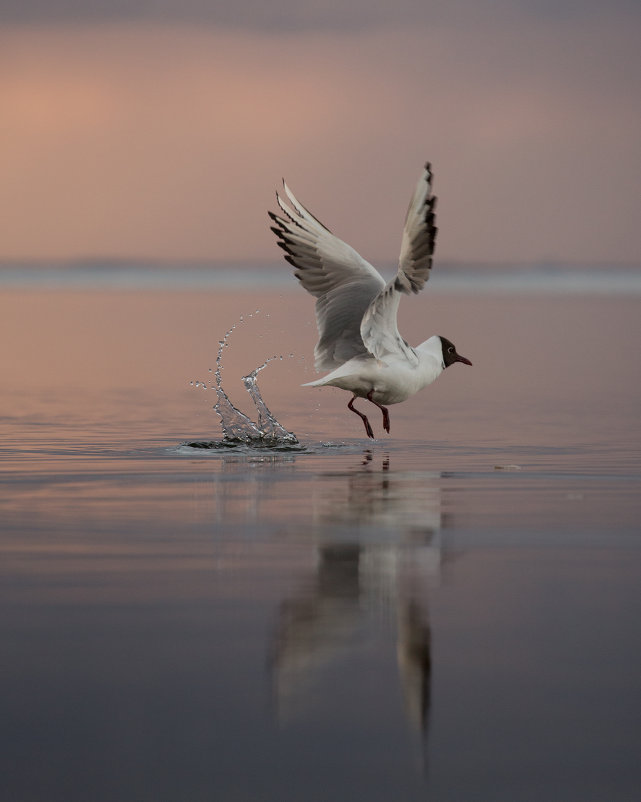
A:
{"x": 378, "y": 551}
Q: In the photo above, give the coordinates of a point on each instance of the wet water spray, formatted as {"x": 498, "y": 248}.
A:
{"x": 267, "y": 424}
{"x": 238, "y": 427}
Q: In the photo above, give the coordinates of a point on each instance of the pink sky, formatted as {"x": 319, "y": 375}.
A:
{"x": 167, "y": 141}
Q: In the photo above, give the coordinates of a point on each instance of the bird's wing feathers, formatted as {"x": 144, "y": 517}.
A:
{"x": 419, "y": 236}
{"x": 342, "y": 282}
{"x": 355, "y": 310}
{"x": 379, "y": 329}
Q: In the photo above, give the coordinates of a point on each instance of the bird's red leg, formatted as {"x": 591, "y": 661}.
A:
{"x": 383, "y": 409}
{"x": 368, "y": 428}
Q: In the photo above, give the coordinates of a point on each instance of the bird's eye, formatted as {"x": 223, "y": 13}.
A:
{"x": 450, "y": 350}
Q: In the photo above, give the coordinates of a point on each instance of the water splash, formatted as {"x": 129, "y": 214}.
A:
{"x": 267, "y": 423}
{"x": 237, "y": 427}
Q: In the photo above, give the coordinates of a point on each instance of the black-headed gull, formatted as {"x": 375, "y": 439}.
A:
{"x": 356, "y": 310}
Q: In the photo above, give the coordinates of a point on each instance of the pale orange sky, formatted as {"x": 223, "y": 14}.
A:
{"x": 167, "y": 141}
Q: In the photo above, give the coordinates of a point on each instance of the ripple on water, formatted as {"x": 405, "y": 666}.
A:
{"x": 263, "y": 446}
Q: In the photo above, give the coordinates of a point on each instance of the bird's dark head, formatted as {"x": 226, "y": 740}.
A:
{"x": 449, "y": 353}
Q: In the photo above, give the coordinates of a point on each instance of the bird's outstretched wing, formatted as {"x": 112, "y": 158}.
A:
{"x": 342, "y": 282}
{"x": 379, "y": 329}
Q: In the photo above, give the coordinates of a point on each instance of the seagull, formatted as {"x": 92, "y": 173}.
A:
{"x": 356, "y": 310}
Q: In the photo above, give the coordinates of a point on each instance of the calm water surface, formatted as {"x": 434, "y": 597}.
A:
{"x": 447, "y": 613}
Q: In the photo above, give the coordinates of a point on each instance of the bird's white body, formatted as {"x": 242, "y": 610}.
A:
{"x": 389, "y": 380}
{"x": 356, "y": 310}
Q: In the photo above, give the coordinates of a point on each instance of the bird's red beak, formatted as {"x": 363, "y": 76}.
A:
{"x": 462, "y": 359}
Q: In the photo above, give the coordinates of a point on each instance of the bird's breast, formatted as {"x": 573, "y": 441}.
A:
{"x": 389, "y": 382}
{"x": 395, "y": 383}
